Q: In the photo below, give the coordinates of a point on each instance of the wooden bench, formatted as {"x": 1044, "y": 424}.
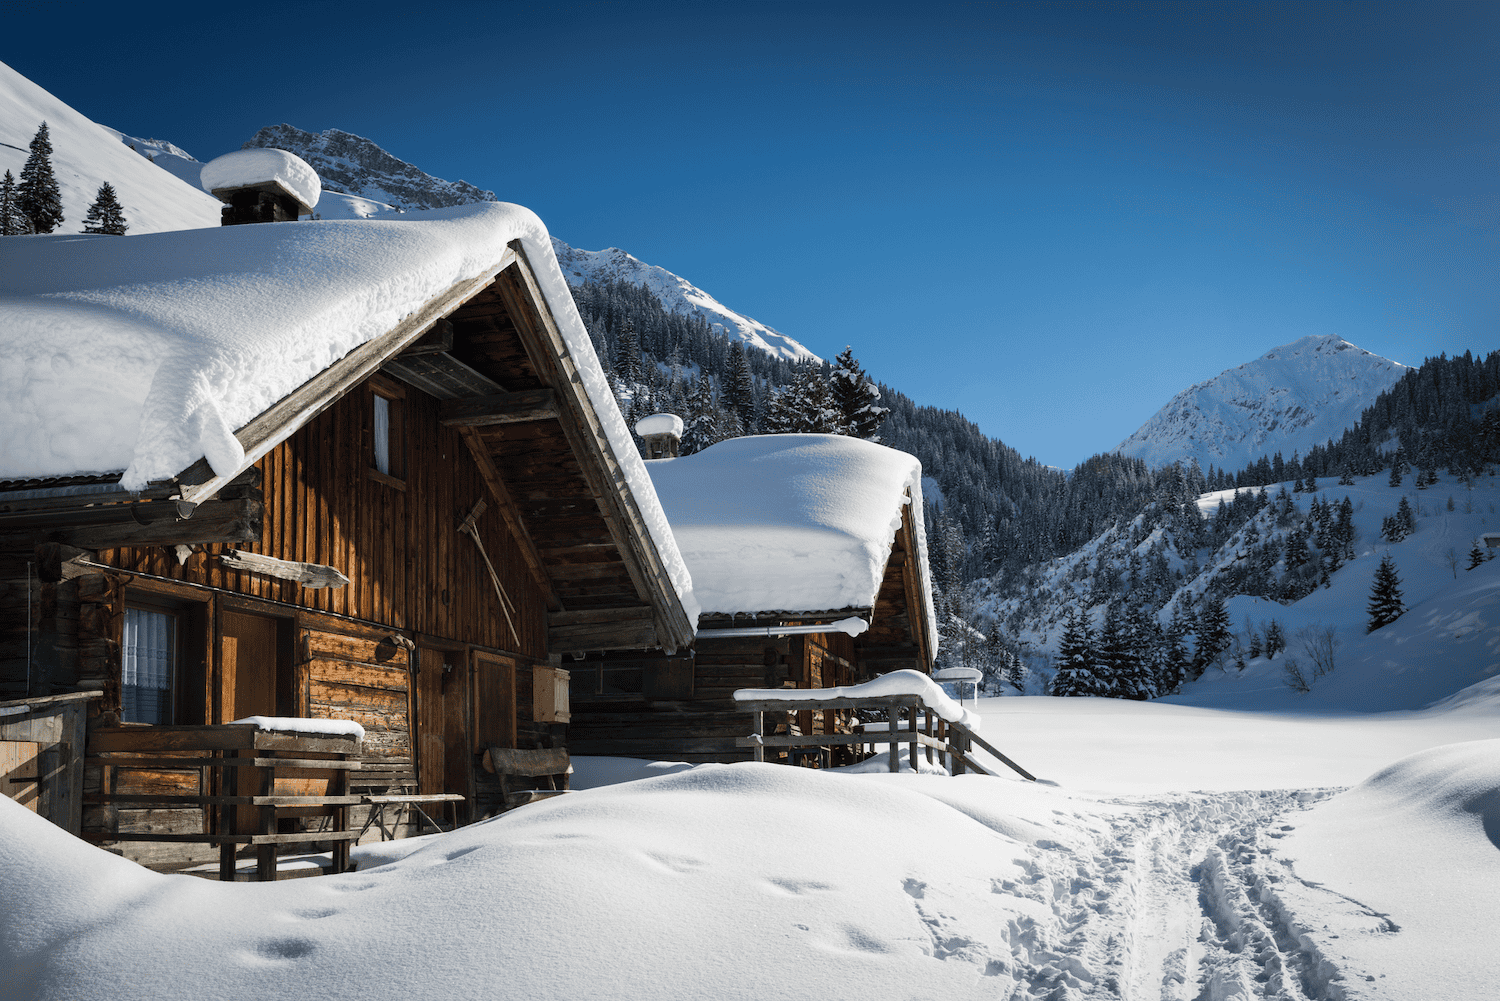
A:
{"x": 512, "y": 765}
{"x": 392, "y": 782}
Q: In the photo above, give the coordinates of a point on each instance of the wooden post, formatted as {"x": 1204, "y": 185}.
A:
{"x": 927, "y": 718}
{"x": 758, "y": 753}
{"x": 265, "y": 855}
{"x": 956, "y": 739}
{"x": 893, "y": 717}
{"x": 912, "y": 747}
{"x": 339, "y": 786}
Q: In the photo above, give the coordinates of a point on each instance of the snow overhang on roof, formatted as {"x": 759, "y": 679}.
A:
{"x": 791, "y": 522}
{"x": 144, "y": 354}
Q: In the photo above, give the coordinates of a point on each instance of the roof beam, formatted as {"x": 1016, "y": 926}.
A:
{"x": 510, "y": 515}
{"x": 500, "y": 408}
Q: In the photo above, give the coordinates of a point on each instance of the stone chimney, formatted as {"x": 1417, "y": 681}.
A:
{"x": 261, "y": 185}
{"x": 662, "y": 434}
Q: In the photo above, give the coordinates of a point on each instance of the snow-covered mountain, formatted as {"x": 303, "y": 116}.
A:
{"x": 676, "y": 294}
{"x": 85, "y": 155}
{"x": 1289, "y": 399}
{"x": 356, "y": 166}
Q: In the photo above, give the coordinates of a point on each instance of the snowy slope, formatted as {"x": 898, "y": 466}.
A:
{"x": 84, "y": 155}
{"x": 677, "y": 295}
{"x": 356, "y": 166}
{"x": 1117, "y": 877}
{"x": 1289, "y": 399}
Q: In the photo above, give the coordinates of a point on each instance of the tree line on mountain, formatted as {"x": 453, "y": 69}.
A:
{"x": 1438, "y": 415}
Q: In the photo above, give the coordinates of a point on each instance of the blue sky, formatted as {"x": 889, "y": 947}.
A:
{"x": 1049, "y": 217}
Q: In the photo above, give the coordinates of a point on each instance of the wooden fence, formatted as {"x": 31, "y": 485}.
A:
{"x": 954, "y": 742}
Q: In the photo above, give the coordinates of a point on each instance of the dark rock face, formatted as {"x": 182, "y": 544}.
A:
{"x": 355, "y": 166}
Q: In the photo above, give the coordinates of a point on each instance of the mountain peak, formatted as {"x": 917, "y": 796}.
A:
{"x": 1289, "y": 399}
{"x": 354, "y": 165}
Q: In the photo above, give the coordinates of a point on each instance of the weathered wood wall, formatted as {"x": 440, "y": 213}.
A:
{"x": 698, "y": 722}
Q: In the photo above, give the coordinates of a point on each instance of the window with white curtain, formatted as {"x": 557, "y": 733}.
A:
{"x": 149, "y": 661}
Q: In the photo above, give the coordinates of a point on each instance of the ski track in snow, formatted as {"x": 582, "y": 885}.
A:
{"x": 1181, "y": 898}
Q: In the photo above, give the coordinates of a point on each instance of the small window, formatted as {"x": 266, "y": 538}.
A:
{"x": 387, "y": 431}
{"x": 382, "y": 434}
{"x": 149, "y": 666}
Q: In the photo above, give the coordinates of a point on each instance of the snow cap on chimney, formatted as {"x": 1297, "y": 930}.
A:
{"x": 261, "y": 185}
{"x": 662, "y": 434}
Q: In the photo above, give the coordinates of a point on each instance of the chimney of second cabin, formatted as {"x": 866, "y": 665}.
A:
{"x": 261, "y": 185}
{"x": 662, "y": 434}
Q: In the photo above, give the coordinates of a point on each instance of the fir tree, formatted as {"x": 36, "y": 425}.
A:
{"x": 804, "y": 407}
{"x": 13, "y": 221}
{"x": 1275, "y": 639}
{"x": 628, "y": 357}
{"x": 739, "y": 387}
{"x": 1075, "y": 675}
{"x": 38, "y": 194}
{"x": 1385, "y": 596}
{"x": 1476, "y": 556}
{"x": 856, "y": 398}
{"x": 105, "y": 215}
{"x": 1213, "y": 633}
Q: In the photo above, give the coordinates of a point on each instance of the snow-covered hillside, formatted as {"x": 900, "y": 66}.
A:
{"x": 356, "y": 166}
{"x": 1448, "y": 639}
{"x": 677, "y": 295}
{"x": 1289, "y": 399}
{"x": 85, "y": 155}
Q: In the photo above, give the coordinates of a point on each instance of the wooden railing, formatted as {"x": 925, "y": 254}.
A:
{"x": 954, "y": 742}
{"x": 247, "y": 780}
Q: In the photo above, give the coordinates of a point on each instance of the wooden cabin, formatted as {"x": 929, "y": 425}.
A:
{"x": 808, "y": 557}
{"x": 416, "y": 531}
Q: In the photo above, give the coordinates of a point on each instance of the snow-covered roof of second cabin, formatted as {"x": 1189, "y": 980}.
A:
{"x": 788, "y": 523}
{"x": 137, "y": 356}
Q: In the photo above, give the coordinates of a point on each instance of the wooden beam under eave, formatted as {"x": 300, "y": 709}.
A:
{"x": 504, "y": 408}
{"x": 632, "y": 635}
{"x": 510, "y": 515}
{"x": 152, "y": 523}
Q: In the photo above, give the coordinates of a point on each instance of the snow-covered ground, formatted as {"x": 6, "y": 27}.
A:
{"x": 1171, "y": 852}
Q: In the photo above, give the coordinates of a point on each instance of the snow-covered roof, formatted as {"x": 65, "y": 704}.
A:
{"x": 139, "y": 355}
{"x": 797, "y": 522}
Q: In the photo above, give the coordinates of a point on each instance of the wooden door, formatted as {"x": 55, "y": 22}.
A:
{"x": 494, "y": 702}
{"x": 248, "y": 659}
{"x": 443, "y": 722}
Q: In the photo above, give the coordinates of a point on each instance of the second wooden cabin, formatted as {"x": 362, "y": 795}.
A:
{"x": 808, "y": 557}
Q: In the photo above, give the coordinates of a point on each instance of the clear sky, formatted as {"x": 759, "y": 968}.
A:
{"x": 1050, "y": 217}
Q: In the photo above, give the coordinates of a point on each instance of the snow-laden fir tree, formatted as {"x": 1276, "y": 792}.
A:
{"x": 1075, "y": 654}
{"x": 1385, "y": 605}
{"x": 804, "y": 407}
{"x": 856, "y": 398}
{"x": 13, "y": 221}
{"x": 106, "y": 214}
{"x": 628, "y": 354}
{"x": 1476, "y": 556}
{"x": 1213, "y": 634}
{"x": 739, "y": 386}
{"x": 37, "y": 193}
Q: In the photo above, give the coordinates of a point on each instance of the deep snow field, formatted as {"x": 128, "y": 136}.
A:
{"x": 1170, "y": 852}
